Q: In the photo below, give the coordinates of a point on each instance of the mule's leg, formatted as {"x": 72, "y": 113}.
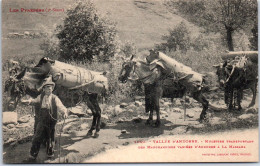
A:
{"x": 94, "y": 114}
{"x": 150, "y": 119}
{"x": 230, "y": 98}
{"x": 156, "y": 102}
{"x": 239, "y": 98}
{"x": 157, "y": 109}
{"x": 253, "y": 89}
{"x": 148, "y": 103}
{"x": 200, "y": 98}
{"x": 94, "y": 100}
{"x": 226, "y": 95}
{"x": 147, "y": 92}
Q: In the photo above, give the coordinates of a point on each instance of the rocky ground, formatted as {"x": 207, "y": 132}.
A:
{"x": 122, "y": 125}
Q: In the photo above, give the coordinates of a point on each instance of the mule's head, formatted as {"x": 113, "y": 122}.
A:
{"x": 16, "y": 90}
{"x": 223, "y": 73}
{"x": 127, "y": 67}
{"x": 20, "y": 85}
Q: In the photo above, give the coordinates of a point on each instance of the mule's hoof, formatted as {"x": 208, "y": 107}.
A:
{"x": 96, "y": 135}
{"x": 202, "y": 119}
{"x": 148, "y": 122}
{"x": 157, "y": 124}
{"x": 89, "y": 134}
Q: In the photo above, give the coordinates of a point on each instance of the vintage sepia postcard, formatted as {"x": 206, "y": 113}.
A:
{"x": 129, "y": 81}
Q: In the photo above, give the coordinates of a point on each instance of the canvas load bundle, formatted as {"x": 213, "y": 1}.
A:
{"x": 252, "y": 55}
{"x": 246, "y": 63}
{"x": 189, "y": 78}
{"x": 73, "y": 77}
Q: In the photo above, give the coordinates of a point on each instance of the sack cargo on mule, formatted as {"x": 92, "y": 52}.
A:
{"x": 252, "y": 55}
{"x": 189, "y": 78}
{"x": 73, "y": 77}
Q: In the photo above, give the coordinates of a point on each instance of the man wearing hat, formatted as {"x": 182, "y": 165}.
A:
{"x": 49, "y": 105}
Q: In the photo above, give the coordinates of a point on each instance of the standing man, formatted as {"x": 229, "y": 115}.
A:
{"x": 48, "y": 105}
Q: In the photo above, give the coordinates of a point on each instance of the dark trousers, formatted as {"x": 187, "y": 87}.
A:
{"x": 45, "y": 129}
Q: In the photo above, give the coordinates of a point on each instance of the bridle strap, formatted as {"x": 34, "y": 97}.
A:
{"x": 140, "y": 79}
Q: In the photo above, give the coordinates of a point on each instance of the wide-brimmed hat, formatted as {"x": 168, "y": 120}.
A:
{"x": 48, "y": 82}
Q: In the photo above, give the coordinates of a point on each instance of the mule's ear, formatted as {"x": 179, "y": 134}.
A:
{"x": 225, "y": 64}
{"x": 132, "y": 57}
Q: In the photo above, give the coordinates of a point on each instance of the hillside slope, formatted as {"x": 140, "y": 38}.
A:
{"x": 141, "y": 22}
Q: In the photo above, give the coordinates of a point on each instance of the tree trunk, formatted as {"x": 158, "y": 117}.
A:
{"x": 229, "y": 38}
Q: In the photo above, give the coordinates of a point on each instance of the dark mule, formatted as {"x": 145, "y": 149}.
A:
{"x": 29, "y": 81}
{"x": 156, "y": 86}
{"x": 235, "y": 79}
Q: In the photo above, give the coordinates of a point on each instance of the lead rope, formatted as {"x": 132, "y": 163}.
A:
{"x": 61, "y": 129}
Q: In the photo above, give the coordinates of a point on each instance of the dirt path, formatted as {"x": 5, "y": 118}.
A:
{"x": 77, "y": 148}
{"x": 143, "y": 152}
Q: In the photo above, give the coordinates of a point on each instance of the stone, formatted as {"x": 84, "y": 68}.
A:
{"x": 216, "y": 121}
{"x": 123, "y": 105}
{"x": 120, "y": 120}
{"x": 190, "y": 115}
{"x": 103, "y": 125}
{"x": 197, "y": 126}
{"x": 84, "y": 126}
{"x": 123, "y": 131}
{"x": 164, "y": 112}
{"x": 117, "y": 110}
{"x": 179, "y": 130}
{"x": 72, "y": 116}
{"x": 78, "y": 110}
{"x": 126, "y": 143}
{"x": 24, "y": 119}
{"x": 105, "y": 117}
{"x": 140, "y": 109}
{"x": 10, "y": 126}
{"x": 139, "y": 97}
{"x": 175, "y": 109}
{"x": 130, "y": 110}
{"x": 167, "y": 103}
{"x": 9, "y": 118}
{"x": 89, "y": 112}
{"x": 22, "y": 125}
{"x": 10, "y": 140}
{"x": 138, "y": 103}
{"x": 5, "y": 129}
{"x": 251, "y": 110}
{"x": 132, "y": 106}
{"x": 233, "y": 120}
{"x": 246, "y": 116}
{"x": 137, "y": 120}
{"x": 178, "y": 102}
{"x": 67, "y": 127}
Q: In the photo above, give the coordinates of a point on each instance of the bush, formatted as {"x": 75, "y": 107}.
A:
{"x": 85, "y": 34}
{"x": 178, "y": 39}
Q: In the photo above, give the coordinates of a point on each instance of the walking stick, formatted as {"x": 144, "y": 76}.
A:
{"x": 184, "y": 107}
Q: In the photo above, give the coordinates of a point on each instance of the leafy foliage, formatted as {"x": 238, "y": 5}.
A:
{"x": 177, "y": 39}
{"x": 180, "y": 38}
{"x": 254, "y": 38}
{"x": 224, "y": 16}
{"x": 85, "y": 34}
